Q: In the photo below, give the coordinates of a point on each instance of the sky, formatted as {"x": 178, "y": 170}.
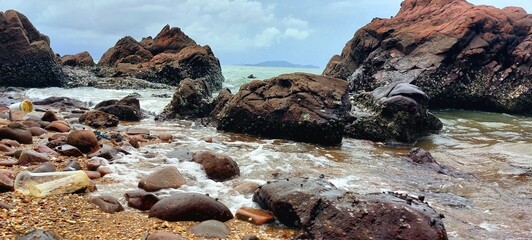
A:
{"x": 238, "y": 31}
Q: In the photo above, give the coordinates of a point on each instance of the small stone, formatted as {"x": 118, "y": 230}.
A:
{"x": 219, "y": 167}
{"x": 44, "y": 167}
{"x": 58, "y": 126}
{"x": 252, "y": 215}
{"x": 247, "y": 188}
{"x": 68, "y": 150}
{"x": 138, "y": 131}
{"x": 50, "y": 116}
{"x": 18, "y": 133}
{"x": 94, "y": 163}
{"x": 140, "y": 200}
{"x": 71, "y": 165}
{"x": 38, "y": 234}
{"x": 165, "y": 137}
{"x": 10, "y": 143}
{"x": 28, "y": 157}
{"x": 6, "y": 181}
{"x": 93, "y": 174}
{"x": 37, "y": 131}
{"x": 104, "y": 170}
{"x": 253, "y": 237}
{"x": 107, "y": 204}
{"x": 181, "y": 153}
{"x": 5, "y": 206}
{"x": 134, "y": 142}
{"x": 211, "y": 229}
{"x": 164, "y": 236}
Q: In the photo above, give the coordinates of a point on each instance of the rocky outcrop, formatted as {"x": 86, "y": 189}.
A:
{"x": 168, "y": 58}
{"x": 298, "y": 106}
{"x": 192, "y": 99}
{"x": 125, "y": 109}
{"x": 83, "y": 59}
{"x": 325, "y": 212}
{"x": 461, "y": 55}
{"x": 393, "y": 113}
{"x": 26, "y": 57}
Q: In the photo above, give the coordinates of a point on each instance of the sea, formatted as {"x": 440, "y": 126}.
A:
{"x": 491, "y": 198}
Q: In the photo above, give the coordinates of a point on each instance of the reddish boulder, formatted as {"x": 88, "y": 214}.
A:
{"x": 84, "y": 140}
{"x": 461, "y": 55}
{"x": 190, "y": 207}
{"x": 83, "y": 59}
{"x": 16, "y": 132}
{"x": 99, "y": 119}
{"x": 126, "y": 109}
{"x": 168, "y": 177}
{"x": 299, "y": 106}
{"x": 219, "y": 167}
{"x": 26, "y": 57}
{"x": 168, "y": 58}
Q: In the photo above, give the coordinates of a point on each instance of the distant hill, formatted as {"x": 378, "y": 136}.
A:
{"x": 281, "y": 64}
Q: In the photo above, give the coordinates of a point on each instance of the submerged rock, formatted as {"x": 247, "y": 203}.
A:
{"x": 461, "y": 55}
{"x": 325, "y": 212}
{"x": 217, "y": 166}
{"x": 190, "y": 100}
{"x": 168, "y": 58}
{"x": 26, "y": 57}
{"x": 299, "y": 106}
{"x": 168, "y": 177}
{"x": 396, "y": 112}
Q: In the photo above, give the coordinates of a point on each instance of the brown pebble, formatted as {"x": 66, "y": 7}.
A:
{"x": 252, "y": 215}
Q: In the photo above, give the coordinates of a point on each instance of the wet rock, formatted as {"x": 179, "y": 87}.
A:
{"x": 138, "y": 131}
{"x": 247, "y": 188}
{"x": 26, "y": 56}
{"x": 168, "y": 177}
{"x": 71, "y": 165}
{"x": 45, "y": 149}
{"x": 393, "y": 113}
{"x": 18, "y": 133}
{"x": 422, "y": 157}
{"x": 99, "y": 119}
{"x": 44, "y": 167}
{"x": 191, "y": 100}
{"x": 164, "y": 236}
{"x": 31, "y": 123}
{"x": 210, "y": 229}
{"x": 251, "y": 237}
{"x": 82, "y": 59}
{"x": 134, "y": 142}
{"x": 61, "y": 102}
{"x": 126, "y": 109}
{"x": 37, "y": 131}
{"x": 68, "y": 150}
{"x": 94, "y": 163}
{"x": 140, "y": 200}
{"x": 93, "y": 174}
{"x": 165, "y": 137}
{"x": 217, "y": 166}
{"x": 220, "y": 101}
{"x": 38, "y": 234}
{"x": 4, "y": 148}
{"x": 190, "y": 207}
{"x": 28, "y": 157}
{"x": 299, "y": 106}
{"x": 84, "y": 140}
{"x": 461, "y": 55}
{"x": 325, "y": 212}
{"x": 50, "y": 116}
{"x": 107, "y": 204}
{"x": 104, "y": 170}
{"x": 181, "y": 153}
{"x": 7, "y": 179}
{"x": 107, "y": 152}
{"x": 168, "y": 58}
{"x": 252, "y": 215}
{"x": 10, "y": 143}
{"x": 58, "y": 126}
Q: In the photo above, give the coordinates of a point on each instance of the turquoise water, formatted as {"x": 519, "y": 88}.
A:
{"x": 493, "y": 151}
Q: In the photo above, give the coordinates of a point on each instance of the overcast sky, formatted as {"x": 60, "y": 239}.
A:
{"x": 239, "y": 31}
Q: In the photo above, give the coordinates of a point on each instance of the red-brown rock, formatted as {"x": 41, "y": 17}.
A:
{"x": 50, "y": 116}
{"x": 107, "y": 204}
{"x": 219, "y": 167}
{"x": 28, "y": 157}
{"x": 99, "y": 119}
{"x": 83, "y": 59}
{"x": 84, "y": 140}
{"x": 140, "y": 200}
{"x": 58, "y": 126}
{"x": 253, "y": 215}
{"x": 19, "y": 133}
{"x": 168, "y": 177}
{"x": 190, "y": 207}
{"x": 461, "y": 55}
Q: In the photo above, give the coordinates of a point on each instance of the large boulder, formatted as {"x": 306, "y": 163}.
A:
{"x": 190, "y": 207}
{"x": 393, "y": 113}
{"x": 168, "y": 58}
{"x": 192, "y": 99}
{"x": 299, "y": 106}
{"x": 461, "y": 55}
{"x": 26, "y": 57}
{"x": 82, "y": 59}
{"x": 126, "y": 109}
{"x": 218, "y": 167}
{"x": 325, "y": 212}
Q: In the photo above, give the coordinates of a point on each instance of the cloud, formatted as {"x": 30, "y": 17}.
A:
{"x": 296, "y": 33}
{"x": 267, "y": 37}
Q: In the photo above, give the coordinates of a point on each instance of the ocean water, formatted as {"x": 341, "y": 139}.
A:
{"x": 491, "y": 199}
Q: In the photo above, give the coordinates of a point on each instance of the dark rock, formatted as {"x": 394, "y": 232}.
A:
{"x": 422, "y": 157}
{"x": 107, "y": 152}
{"x": 168, "y": 177}
{"x": 126, "y": 109}
{"x": 68, "y": 150}
{"x": 28, "y": 157}
{"x": 140, "y": 200}
{"x": 219, "y": 167}
{"x": 297, "y": 106}
{"x": 220, "y": 101}
{"x": 164, "y": 236}
{"x": 7, "y": 179}
{"x": 168, "y": 58}
{"x": 10, "y": 143}
{"x": 71, "y": 165}
{"x": 393, "y": 113}
{"x": 38, "y": 234}
{"x": 190, "y": 207}
{"x": 31, "y": 123}
{"x": 190, "y": 100}
{"x": 50, "y": 116}
{"x": 246, "y": 188}
{"x": 251, "y": 76}
{"x": 58, "y": 126}
{"x": 325, "y": 212}
{"x": 37, "y": 131}
{"x": 107, "y": 204}
{"x": 44, "y": 167}
{"x": 99, "y": 119}
{"x": 61, "y": 102}
{"x": 5, "y": 148}
{"x": 252, "y": 237}
{"x": 18, "y": 133}
{"x": 26, "y": 57}
{"x": 460, "y": 55}
{"x": 84, "y": 140}
{"x": 210, "y": 229}
{"x": 82, "y": 59}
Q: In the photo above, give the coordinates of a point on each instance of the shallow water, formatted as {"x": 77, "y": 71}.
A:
{"x": 490, "y": 199}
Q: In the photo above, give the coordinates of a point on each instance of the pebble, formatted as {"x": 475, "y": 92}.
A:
{"x": 211, "y": 229}
{"x": 252, "y": 215}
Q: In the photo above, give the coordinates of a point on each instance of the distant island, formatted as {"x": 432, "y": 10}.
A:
{"x": 281, "y": 64}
